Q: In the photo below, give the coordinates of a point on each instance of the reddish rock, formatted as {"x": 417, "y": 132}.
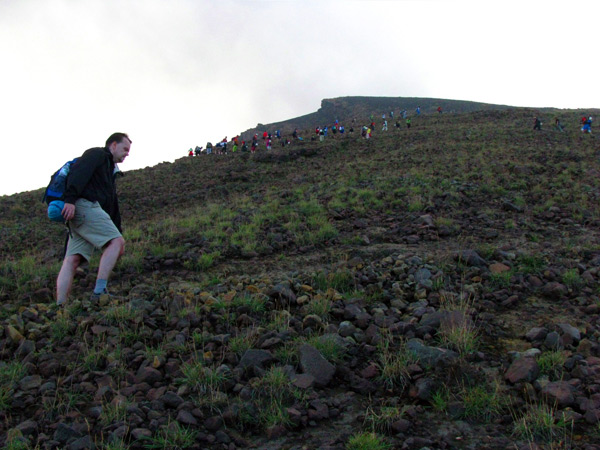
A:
{"x": 186, "y": 418}
{"x": 318, "y": 411}
{"x": 275, "y": 431}
{"x": 559, "y": 393}
{"x": 370, "y": 371}
{"x": 213, "y": 423}
{"x": 523, "y": 369}
{"x": 148, "y": 375}
{"x": 554, "y": 290}
{"x": 303, "y": 381}
{"x": 499, "y": 268}
{"x": 592, "y": 416}
{"x": 401, "y": 426}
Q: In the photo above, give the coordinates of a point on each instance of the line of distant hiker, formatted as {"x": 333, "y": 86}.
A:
{"x": 321, "y": 132}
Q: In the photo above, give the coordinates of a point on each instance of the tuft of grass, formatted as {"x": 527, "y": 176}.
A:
{"x": 287, "y": 353}
{"x": 501, "y": 280}
{"x": 280, "y": 320}
{"x": 542, "y": 423}
{"x": 459, "y": 334}
{"x": 204, "y": 262}
{"x": 118, "y": 314}
{"x": 16, "y": 441}
{"x": 571, "y": 278}
{"x": 192, "y": 372}
{"x": 367, "y": 441}
{"x": 381, "y": 419}
{"x": 61, "y": 328}
{"x": 11, "y": 372}
{"x": 341, "y": 280}
{"x": 273, "y": 394}
{"x": 319, "y": 305}
{"x": 329, "y": 346}
{"x": 94, "y": 358}
{"x": 155, "y": 352}
{"x": 255, "y": 303}
{"x": 551, "y": 363}
{"x": 440, "y": 399}
{"x": 239, "y": 344}
{"x": 112, "y": 413}
{"x": 530, "y": 264}
{"x": 482, "y": 402}
{"x": 63, "y": 402}
{"x": 393, "y": 362}
{"x": 173, "y": 436}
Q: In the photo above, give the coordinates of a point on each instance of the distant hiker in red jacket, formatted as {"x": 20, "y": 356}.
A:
{"x": 265, "y": 134}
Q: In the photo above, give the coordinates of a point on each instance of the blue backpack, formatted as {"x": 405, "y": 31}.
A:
{"x": 54, "y": 193}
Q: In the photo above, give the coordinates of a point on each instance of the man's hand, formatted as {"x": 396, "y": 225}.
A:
{"x": 68, "y": 212}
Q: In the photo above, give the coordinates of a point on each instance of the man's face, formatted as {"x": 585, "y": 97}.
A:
{"x": 120, "y": 150}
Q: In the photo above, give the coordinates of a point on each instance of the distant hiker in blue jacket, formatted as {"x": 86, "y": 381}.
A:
{"x": 587, "y": 125}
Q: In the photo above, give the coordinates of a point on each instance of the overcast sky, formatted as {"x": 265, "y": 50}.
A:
{"x": 175, "y": 74}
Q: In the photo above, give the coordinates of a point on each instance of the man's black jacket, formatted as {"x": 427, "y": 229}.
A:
{"x": 92, "y": 177}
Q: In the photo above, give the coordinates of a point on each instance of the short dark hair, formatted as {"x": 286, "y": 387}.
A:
{"x": 117, "y": 137}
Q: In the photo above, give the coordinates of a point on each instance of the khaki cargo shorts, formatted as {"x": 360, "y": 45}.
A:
{"x": 91, "y": 228}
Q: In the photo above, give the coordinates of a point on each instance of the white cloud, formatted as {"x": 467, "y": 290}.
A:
{"x": 176, "y": 74}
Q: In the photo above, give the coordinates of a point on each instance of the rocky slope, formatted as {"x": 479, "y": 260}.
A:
{"x": 428, "y": 288}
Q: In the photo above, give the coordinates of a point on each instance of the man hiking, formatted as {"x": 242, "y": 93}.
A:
{"x": 92, "y": 214}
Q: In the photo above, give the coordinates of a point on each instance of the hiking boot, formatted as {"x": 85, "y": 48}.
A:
{"x": 103, "y": 298}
